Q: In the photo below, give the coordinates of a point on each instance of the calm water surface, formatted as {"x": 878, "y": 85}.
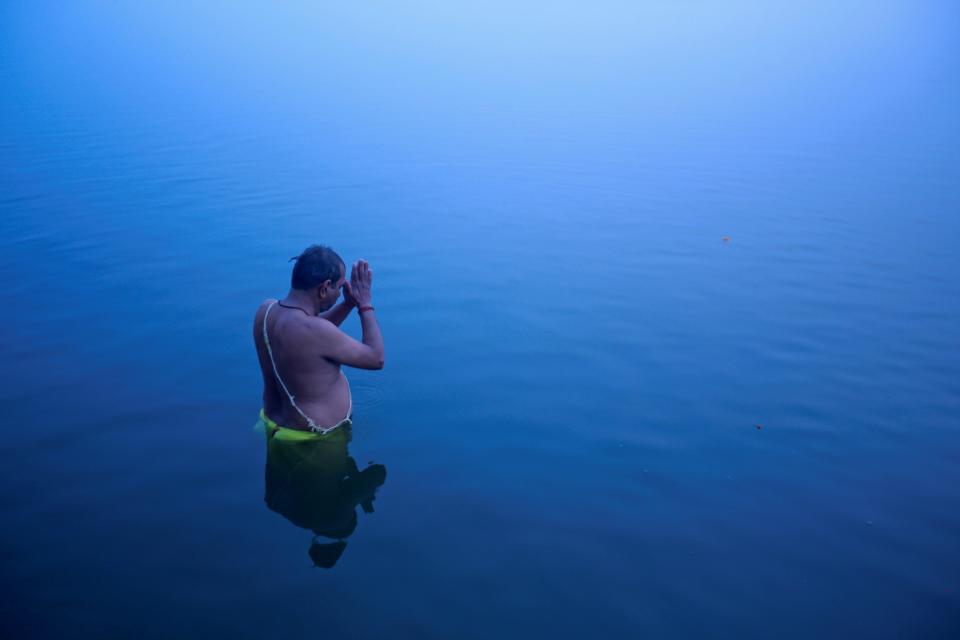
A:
{"x": 670, "y": 292}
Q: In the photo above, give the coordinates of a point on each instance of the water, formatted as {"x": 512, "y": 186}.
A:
{"x": 577, "y": 360}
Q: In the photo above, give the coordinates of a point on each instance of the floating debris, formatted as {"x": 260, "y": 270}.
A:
{"x": 725, "y": 238}
{"x": 758, "y": 426}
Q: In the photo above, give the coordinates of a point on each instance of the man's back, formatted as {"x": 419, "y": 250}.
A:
{"x": 319, "y": 388}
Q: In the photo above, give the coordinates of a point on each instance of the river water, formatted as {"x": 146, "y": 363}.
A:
{"x": 669, "y": 293}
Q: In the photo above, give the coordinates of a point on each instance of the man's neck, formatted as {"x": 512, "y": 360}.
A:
{"x": 297, "y": 298}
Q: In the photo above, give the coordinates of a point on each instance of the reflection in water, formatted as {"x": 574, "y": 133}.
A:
{"x": 314, "y": 483}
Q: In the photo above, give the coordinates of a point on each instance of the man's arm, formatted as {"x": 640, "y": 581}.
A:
{"x": 344, "y": 349}
{"x": 338, "y": 313}
{"x": 371, "y": 334}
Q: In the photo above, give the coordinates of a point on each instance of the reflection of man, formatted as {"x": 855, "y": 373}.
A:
{"x": 301, "y": 348}
{"x": 313, "y": 482}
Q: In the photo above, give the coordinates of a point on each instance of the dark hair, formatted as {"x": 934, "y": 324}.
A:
{"x": 316, "y": 265}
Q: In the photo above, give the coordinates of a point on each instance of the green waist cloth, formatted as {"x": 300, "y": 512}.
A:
{"x": 276, "y": 432}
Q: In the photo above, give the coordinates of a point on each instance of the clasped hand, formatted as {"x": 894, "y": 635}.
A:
{"x": 358, "y": 291}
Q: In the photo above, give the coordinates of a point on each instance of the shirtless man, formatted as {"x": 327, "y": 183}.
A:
{"x": 303, "y": 387}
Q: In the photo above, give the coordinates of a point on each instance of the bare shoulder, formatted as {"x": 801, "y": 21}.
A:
{"x": 321, "y": 327}
{"x": 304, "y": 329}
{"x": 263, "y": 306}
{"x": 258, "y": 316}
{"x": 303, "y": 326}
{"x": 323, "y": 324}
{"x": 320, "y": 334}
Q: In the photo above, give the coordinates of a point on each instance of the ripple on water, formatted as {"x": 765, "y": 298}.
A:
{"x": 366, "y": 395}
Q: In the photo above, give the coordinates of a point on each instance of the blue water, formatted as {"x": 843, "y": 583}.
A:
{"x": 608, "y": 242}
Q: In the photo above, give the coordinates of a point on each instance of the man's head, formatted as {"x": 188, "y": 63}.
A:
{"x": 319, "y": 272}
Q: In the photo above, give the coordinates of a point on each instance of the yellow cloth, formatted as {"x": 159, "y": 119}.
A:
{"x": 276, "y": 432}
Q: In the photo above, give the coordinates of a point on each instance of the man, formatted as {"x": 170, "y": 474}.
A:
{"x": 301, "y": 348}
